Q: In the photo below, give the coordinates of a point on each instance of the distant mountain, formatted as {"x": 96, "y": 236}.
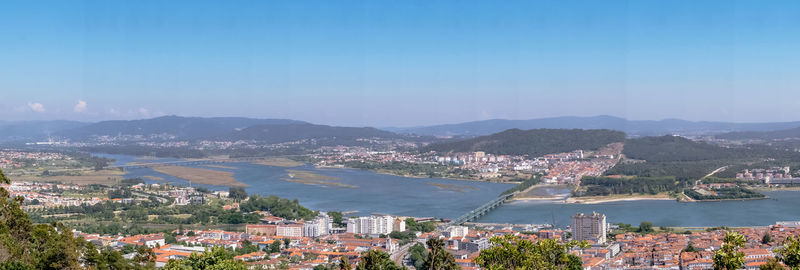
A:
{"x": 176, "y": 127}
{"x": 793, "y": 133}
{"x": 293, "y": 132}
{"x": 34, "y": 130}
{"x": 536, "y": 142}
{"x": 631, "y": 127}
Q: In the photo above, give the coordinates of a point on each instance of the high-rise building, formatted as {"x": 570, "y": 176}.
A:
{"x": 376, "y": 224}
{"x": 320, "y": 226}
{"x": 589, "y": 227}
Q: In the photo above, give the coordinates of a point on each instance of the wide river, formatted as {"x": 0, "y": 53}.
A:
{"x": 426, "y": 197}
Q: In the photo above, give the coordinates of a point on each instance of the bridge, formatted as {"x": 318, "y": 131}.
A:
{"x": 187, "y": 162}
{"x": 481, "y": 210}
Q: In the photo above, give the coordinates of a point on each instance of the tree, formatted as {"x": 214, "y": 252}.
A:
{"x": 337, "y": 218}
{"x": 510, "y": 252}
{"x": 215, "y": 259}
{"x": 344, "y": 263}
{"x": 417, "y": 254}
{"x": 772, "y": 264}
{"x": 376, "y": 260}
{"x": 690, "y": 248}
{"x": 145, "y": 256}
{"x": 237, "y": 193}
{"x": 646, "y": 227}
{"x": 766, "y": 239}
{"x": 287, "y": 242}
{"x": 790, "y": 252}
{"x": 728, "y": 257}
{"x": 275, "y": 246}
{"x": 438, "y": 258}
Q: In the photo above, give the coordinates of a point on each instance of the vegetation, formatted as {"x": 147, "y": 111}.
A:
{"x": 726, "y": 193}
{"x": 772, "y": 264}
{"x": 403, "y": 237}
{"x": 417, "y": 254}
{"x": 237, "y": 193}
{"x": 215, "y": 259}
{"x": 729, "y": 256}
{"x": 510, "y": 252}
{"x": 439, "y": 258}
{"x": 790, "y": 252}
{"x": 600, "y": 186}
{"x": 45, "y": 246}
{"x": 376, "y": 260}
{"x": 408, "y": 168}
{"x": 533, "y": 143}
{"x": 413, "y": 226}
{"x": 527, "y": 183}
{"x": 285, "y": 208}
{"x": 689, "y": 160}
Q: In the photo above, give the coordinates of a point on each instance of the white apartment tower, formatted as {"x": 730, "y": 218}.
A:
{"x": 589, "y": 227}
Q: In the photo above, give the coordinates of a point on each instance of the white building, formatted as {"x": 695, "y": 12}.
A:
{"x": 320, "y": 226}
{"x": 291, "y": 230}
{"x": 589, "y": 227}
{"x": 375, "y": 224}
{"x": 458, "y": 231}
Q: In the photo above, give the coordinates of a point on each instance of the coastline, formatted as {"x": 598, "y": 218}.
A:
{"x": 413, "y": 176}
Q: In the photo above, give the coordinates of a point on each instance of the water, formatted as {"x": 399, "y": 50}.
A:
{"x": 781, "y": 206}
{"x": 377, "y": 193}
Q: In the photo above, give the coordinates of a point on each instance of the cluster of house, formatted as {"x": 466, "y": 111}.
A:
{"x": 15, "y": 159}
{"x": 40, "y": 195}
{"x": 773, "y": 176}
{"x": 669, "y": 250}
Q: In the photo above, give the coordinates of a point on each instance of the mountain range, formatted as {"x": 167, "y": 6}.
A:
{"x": 276, "y": 130}
{"x": 633, "y": 128}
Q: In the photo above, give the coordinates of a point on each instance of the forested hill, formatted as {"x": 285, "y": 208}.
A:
{"x": 534, "y": 143}
{"x": 690, "y": 160}
{"x": 675, "y": 148}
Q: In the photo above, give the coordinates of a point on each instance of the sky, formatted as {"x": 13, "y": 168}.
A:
{"x": 400, "y": 63}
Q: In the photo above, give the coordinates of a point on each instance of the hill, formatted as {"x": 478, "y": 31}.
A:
{"x": 34, "y": 130}
{"x": 793, "y": 133}
{"x": 534, "y": 143}
{"x": 323, "y": 134}
{"x": 168, "y": 127}
{"x": 690, "y": 160}
{"x": 630, "y": 127}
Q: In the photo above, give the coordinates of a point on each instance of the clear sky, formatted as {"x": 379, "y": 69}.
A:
{"x": 400, "y": 63}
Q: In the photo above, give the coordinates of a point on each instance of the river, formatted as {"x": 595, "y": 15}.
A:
{"x": 443, "y": 198}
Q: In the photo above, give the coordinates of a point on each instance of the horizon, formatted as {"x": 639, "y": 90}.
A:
{"x": 402, "y": 127}
{"x": 361, "y": 63}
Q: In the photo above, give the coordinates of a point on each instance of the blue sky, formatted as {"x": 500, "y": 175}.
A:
{"x": 400, "y": 63}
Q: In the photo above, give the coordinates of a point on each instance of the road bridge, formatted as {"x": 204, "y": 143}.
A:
{"x": 481, "y": 210}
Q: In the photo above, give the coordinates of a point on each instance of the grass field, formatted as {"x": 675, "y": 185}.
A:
{"x": 278, "y": 162}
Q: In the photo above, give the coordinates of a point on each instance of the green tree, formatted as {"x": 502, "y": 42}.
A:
{"x": 766, "y": 239}
{"x": 728, "y": 257}
{"x": 510, "y": 252}
{"x": 145, "y": 256}
{"x": 646, "y": 227}
{"x": 417, "y": 254}
{"x": 287, "y": 242}
{"x": 376, "y": 260}
{"x": 690, "y": 248}
{"x": 344, "y": 263}
{"x": 237, "y": 193}
{"x": 772, "y": 264}
{"x": 438, "y": 258}
{"x": 790, "y": 252}
{"x": 275, "y": 247}
{"x": 215, "y": 259}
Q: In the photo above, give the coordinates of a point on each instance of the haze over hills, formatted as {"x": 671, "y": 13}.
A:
{"x": 191, "y": 128}
{"x": 292, "y": 132}
{"x": 630, "y": 127}
{"x": 184, "y": 128}
{"x": 34, "y": 130}
{"x": 535, "y": 142}
{"x": 762, "y": 135}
